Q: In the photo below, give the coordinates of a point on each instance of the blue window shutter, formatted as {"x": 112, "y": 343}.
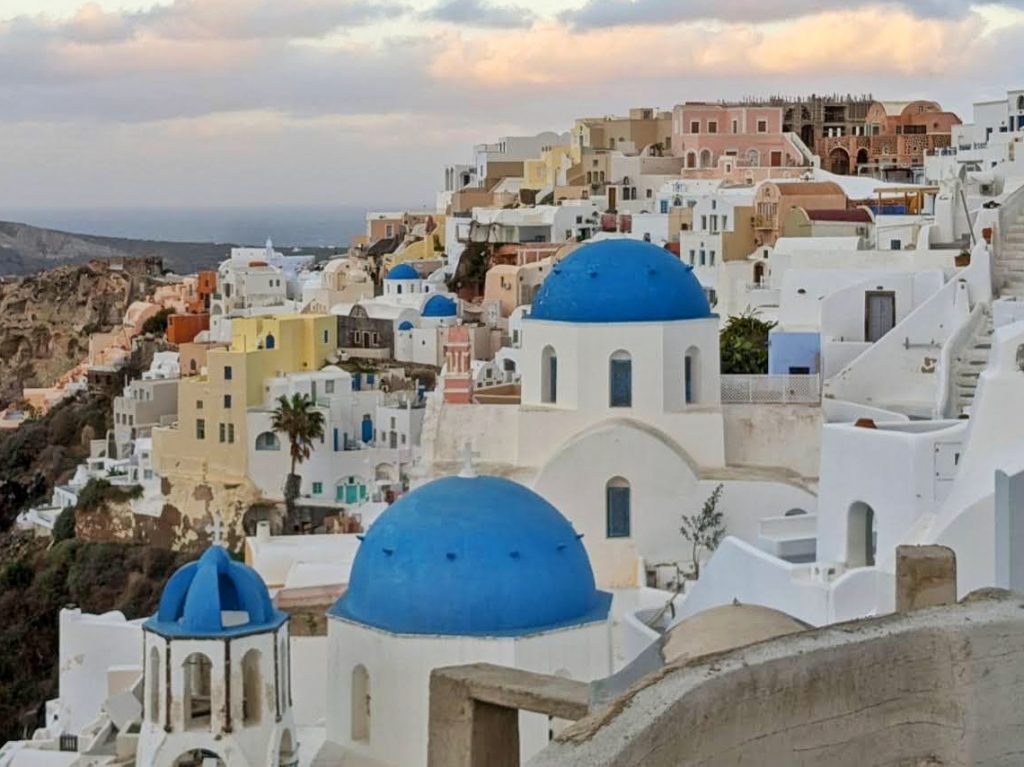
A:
{"x": 618, "y": 522}
{"x": 621, "y": 374}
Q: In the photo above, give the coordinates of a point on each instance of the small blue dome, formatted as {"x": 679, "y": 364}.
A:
{"x": 439, "y": 306}
{"x": 196, "y": 597}
{"x": 405, "y": 325}
{"x": 620, "y": 281}
{"x": 403, "y": 272}
{"x": 479, "y": 556}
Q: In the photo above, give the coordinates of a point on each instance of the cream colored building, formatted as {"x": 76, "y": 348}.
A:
{"x": 210, "y": 439}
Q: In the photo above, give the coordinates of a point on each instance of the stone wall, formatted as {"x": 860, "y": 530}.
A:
{"x": 936, "y": 687}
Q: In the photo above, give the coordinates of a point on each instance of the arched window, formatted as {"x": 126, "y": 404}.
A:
{"x": 286, "y": 751}
{"x": 548, "y": 375}
{"x": 251, "y": 698}
{"x": 270, "y": 342}
{"x": 691, "y": 375}
{"x": 360, "y": 704}
{"x": 398, "y": 289}
{"x": 860, "y": 536}
{"x": 268, "y": 441}
{"x": 197, "y": 668}
{"x": 620, "y": 380}
{"x": 754, "y": 158}
{"x": 617, "y": 513}
{"x": 154, "y": 685}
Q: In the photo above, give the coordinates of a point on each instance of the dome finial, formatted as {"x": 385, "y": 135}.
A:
{"x": 217, "y": 530}
{"x": 468, "y": 472}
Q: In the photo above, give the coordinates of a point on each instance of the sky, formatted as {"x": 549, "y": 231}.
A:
{"x": 185, "y": 103}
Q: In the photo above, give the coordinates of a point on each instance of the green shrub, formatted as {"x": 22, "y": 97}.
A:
{"x": 17, "y": 575}
{"x": 64, "y": 527}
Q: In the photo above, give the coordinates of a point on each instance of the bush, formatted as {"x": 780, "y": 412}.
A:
{"x": 744, "y": 345}
{"x": 99, "y": 492}
{"x": 64, "y": 527}
{"x": 17, "y": 575}
{"x": 157, "y": 324}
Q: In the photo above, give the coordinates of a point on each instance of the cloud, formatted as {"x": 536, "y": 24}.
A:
{"x": 478, "y": 13}
{"x": 597, "y": 14}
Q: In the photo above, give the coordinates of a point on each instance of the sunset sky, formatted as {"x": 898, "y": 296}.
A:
{"x": 302, "y": 102}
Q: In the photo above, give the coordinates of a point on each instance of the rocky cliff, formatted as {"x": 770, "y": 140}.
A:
{"x": 46, "y": 319}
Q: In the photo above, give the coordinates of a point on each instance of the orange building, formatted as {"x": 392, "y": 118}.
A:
{"x": 183, "y": 328}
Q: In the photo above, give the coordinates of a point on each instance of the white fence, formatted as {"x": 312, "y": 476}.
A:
{"x": 771, "y": 390}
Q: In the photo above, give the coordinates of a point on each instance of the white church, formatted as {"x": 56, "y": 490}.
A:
{"x": 464, "y": 569}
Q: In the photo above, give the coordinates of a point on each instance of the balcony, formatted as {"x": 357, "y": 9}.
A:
{"x": 763, "y": 222}
{"x": 771, "y": 390}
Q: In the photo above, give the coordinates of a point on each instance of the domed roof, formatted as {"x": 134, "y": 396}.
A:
{"x": 620, "y": 281}
{"x": 471, "y": 556}
{"x": 439, "y": 306}
{"x": 403, "y": 272}
{"x": 214, "y": 596}
{"x": 405, "y": 325}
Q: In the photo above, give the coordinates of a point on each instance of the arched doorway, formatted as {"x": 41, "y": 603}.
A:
{"x": 706, "y": 158}
{"x": 198, "y": 704}
{"x": 753, "y": 158}
{"x": 807, "y": 134}
{"x": 691, "y": 159}
{"x": 862, "y": 157}
{"x": 759, "y": 273}
{"x": 839, "y": 161}
{"x": 618, "y": 523}
{"x": 860, "y": 536}
{"x": 360, "y": 704}
{"x": 251, "y": 698}
{"x": 199, "y": 757}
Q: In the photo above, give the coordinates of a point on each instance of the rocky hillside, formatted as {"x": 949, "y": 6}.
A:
{"x": 28, "y": 249}
{"x": 45, "y": 319}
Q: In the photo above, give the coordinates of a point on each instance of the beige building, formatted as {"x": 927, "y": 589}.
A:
{"x": 775, "y": 199}
{"x": 628, "y": 134}
{"x": 210, "y": 440}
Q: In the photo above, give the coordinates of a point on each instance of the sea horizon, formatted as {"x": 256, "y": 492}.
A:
{"x": 286, "y": 225}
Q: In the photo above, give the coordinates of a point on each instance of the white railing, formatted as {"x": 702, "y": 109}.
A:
{"x": 771, "y": 390}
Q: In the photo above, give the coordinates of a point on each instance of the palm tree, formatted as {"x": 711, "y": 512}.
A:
{"x": 297, "y": 419}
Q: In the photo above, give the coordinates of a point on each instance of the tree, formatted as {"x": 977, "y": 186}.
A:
{"x": 297, "y": 419}
{"x": 157, "y": 324}
{"x": 744, "y": 345}
{"x": 706, "y": 529}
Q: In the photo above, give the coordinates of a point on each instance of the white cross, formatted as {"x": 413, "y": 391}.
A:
{"x": 468, "y": 472}
{"x": 218, "y": 530}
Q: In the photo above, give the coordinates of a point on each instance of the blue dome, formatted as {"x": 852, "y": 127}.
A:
{"x": 477, "y": 556}
{"x": 439, "y": 306}
{"x": 403, "y": 272}
{"x": 620, "y": 281}
{"x": 405, "y": 325}
{"x": 196, "y": 597}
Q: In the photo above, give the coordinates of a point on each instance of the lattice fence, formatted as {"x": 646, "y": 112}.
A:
{"x": 771, "y": 390}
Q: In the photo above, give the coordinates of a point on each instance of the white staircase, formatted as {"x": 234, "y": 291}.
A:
{"x": 1008, "y": 282}
{"x": 1009, "y": 260}
{"x": 969, "y": 364}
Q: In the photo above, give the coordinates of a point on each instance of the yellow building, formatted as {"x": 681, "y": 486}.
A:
{"x": 544, "y": 171}
{"x": 430, "y": 247}
{"x": 210, "y": 440}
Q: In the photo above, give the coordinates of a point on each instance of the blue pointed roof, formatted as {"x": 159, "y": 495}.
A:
{"x": 403, "y": 272}
{"x": 472, "y": 556}
{"x": 620, "y": 280}
{"x": 196, "y": 597}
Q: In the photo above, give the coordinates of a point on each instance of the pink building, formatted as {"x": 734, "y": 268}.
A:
{"x": 706, "y": 133}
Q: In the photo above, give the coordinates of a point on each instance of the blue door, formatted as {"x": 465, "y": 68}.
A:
{"x": 367, "y": 429}
{"x": 553, "y": 377}
{"x": 621, "y": 374}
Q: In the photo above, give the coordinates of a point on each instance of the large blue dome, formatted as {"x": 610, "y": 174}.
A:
{"x": 439, "y": 306}
{"x": 197, "y": 597}
{"x": 620, "y": 281}
{"x": 479, "y": 556}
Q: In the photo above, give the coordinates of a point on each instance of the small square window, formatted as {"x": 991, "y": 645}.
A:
{"x": 762, "y": 126}
{"x": 199, "y": 404}
{"x": 318, "y": 488}
{"x": 695, "y": 126}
